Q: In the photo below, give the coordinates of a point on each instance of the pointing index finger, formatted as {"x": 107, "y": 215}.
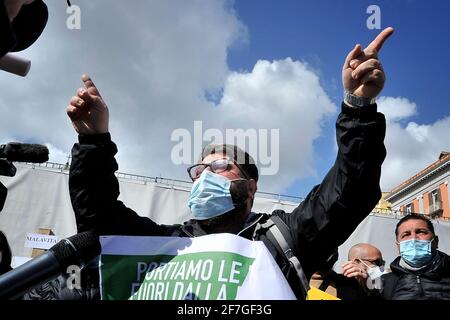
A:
{"x": 376, "y": 45}
{"x": 89, "y": 84}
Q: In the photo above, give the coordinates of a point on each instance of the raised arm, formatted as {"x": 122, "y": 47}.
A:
{"x": 93, "y": 186}
{"x": 350, "y": 190}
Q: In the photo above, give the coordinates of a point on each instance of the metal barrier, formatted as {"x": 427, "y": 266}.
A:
{"x": 173, "y": 183}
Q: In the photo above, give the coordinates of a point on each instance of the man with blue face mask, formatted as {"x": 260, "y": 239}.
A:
{"x": 421, "y": 271}
{"x": 225, "y": 178}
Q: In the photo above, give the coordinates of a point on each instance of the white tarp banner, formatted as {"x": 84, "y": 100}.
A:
{"x": 38, "y": 197}
{"x": 212, "y": 267}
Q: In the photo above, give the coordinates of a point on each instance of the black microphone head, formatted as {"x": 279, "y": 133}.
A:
{"x": 22, "y": 152}
{"x": 77, "y": 250}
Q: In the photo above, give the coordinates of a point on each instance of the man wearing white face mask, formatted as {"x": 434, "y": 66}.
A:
{"x": 421, "y": 272}
{"x": 366, "y": 266}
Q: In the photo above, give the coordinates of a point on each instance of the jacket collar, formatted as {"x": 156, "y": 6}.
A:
{"x": 437, "y": 268}
{"x": 193, "y": 229}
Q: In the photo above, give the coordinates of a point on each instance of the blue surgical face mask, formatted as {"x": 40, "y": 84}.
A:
{"x": 416, "y": 253}
{"x": 210, "y": 196}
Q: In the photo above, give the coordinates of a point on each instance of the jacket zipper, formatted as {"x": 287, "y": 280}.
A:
{"x": 419, "y": 284}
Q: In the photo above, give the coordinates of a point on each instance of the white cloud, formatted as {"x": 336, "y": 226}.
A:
{"x": 153, "y": 63}
{"x": 396, "y": 109}
{"x": 284, "y": 95}
{"x": 410, "y": 148}
{"x": 56, "y": 155}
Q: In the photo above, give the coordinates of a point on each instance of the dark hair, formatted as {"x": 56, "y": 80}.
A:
{"x": 241, "y": 157}
{"x": 414, "y": 216}
{"x": 5, "y": 263}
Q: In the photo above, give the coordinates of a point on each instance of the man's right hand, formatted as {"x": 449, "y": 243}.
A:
{"x": 353, "y": 269}
{"x": 87, "y": 110}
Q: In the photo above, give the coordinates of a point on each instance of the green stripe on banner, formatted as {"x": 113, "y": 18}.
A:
{"x": 202, "y": 276}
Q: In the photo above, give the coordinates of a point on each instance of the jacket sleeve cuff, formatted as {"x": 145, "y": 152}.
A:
{"x": 96, "y": 139}
{"x": 363, "y": 112}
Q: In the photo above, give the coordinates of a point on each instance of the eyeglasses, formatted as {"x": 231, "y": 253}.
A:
{"x": 378, "y": 262}
{"x": 217, "y": 166}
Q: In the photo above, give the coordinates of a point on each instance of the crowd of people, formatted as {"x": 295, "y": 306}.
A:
{"x": 224, "y": 186}
{"x": 419, "y": 272}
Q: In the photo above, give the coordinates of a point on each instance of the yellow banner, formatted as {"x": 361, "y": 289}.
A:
{"x": 316, "y": 294}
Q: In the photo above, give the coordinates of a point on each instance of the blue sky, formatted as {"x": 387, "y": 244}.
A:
{"x": 322, "y": 32}
{"x": 415, "y": 58}
{"x": 276, "y": 63}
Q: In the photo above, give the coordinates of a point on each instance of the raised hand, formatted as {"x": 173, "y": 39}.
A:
{"x": 363, "y": 74}
{"x": 88, "y": 112}
{"x": 352, "y": 269}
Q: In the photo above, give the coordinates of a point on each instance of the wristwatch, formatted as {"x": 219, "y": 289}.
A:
{"x": 358, "y": 101}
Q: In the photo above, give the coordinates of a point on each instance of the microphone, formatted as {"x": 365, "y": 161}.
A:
{"x": 76, "y": 250}
{"x": 21, "y": 152}
{"x": 14, "y": 64}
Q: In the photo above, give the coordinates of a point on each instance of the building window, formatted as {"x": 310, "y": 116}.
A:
{"x": 435, "y": 201}
{"x": 435, "y": 197}
{"x": 409, "y": 208}
{"x": 421, "y": 206}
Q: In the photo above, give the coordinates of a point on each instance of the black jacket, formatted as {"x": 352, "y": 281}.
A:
{"x": 346, "y": 288}
{"x": 57, "y": 289}
{"x": 431, "y": 283}
{"x": 323, "y": 221}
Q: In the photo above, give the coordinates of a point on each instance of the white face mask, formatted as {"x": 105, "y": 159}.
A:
{"x": 374, "y": 277}
{"x": 375, "y": 272}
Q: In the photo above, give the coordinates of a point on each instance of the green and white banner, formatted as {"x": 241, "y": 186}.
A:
{"x": 212, "y": 267}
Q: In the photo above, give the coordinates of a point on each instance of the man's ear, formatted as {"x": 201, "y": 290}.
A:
{"x": 252, "y": 188}
{"x": 436, "y": 242}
